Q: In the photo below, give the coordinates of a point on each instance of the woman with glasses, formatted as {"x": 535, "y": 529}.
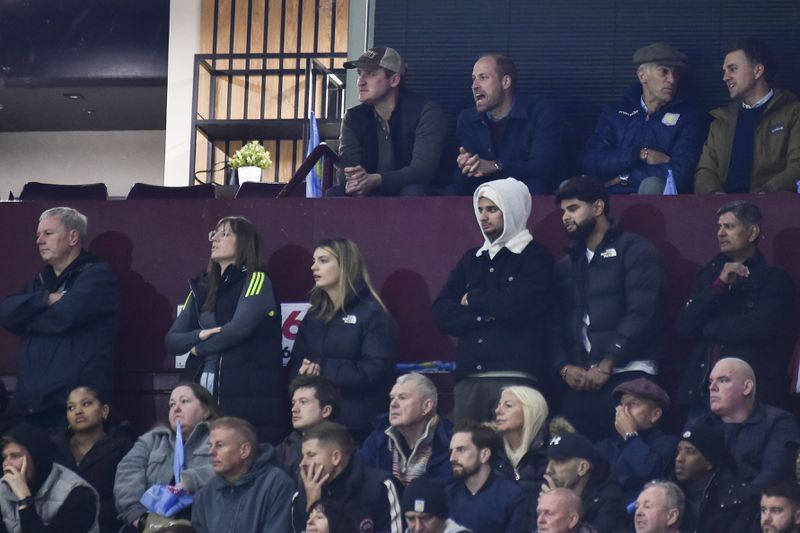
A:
{"x": 231, "y": 327}
{"x": 347, "y": 336}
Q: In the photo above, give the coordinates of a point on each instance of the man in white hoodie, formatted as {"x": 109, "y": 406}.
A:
{"x": 497, "y": 301}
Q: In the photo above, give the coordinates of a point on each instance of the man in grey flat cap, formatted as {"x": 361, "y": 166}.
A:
{"x": 392, "y": 142}
{"x": 653, "y": 130}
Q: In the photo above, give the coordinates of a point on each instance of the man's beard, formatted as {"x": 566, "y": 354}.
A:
{"x": 463, "y": 472}
{"x": 583, "y": 229}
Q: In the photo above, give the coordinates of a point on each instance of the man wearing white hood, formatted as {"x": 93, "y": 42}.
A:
{"x": 497, "y": 301}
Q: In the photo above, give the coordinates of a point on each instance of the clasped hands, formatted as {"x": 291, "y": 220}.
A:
{"x": 358, "y": 182}
{"x": 473, "y": 166}
{"x": 592, "y": 379}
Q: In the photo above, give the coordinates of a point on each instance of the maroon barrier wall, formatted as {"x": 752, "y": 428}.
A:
{"x": 410, "y": 246}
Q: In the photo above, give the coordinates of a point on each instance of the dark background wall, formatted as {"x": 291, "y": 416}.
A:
{"x": 410, "y": 246}
{"x": 579, "y": 52}
{"x": 113, "y": 53}
{"x": 48, "y": 41}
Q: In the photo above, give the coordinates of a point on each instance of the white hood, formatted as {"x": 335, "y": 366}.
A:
{"x": 513, "y": 199}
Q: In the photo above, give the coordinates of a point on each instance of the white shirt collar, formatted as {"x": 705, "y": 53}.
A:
{"x": 760, "y": 102}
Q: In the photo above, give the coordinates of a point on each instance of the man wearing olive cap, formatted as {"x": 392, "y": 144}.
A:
{"x": 392, "y": 142}
{"x": 652, "y": 130}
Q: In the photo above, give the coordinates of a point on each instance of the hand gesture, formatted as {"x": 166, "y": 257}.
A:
{"x": 309, "y": 367}
{"x": 733, "y": 272}
{"x": 473, "y": 166}
{"x": 575, "y": 377}
{"x": 598, "y": 375}
{"x": 16, "y": 481}
{"x": 54, "y": 297}
{"x": 206, "y": 333}
{"x": 358, "y": 182}
{"x": 313, "y": 480}
{"x": 652, "y": 156}
{"x": 548, "y": 485}
{"x": 624, "y": 421}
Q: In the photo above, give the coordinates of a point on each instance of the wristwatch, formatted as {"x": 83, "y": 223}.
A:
{"x": 25, "y": 502}
{"x": 498, "y": 167}
{"x": 624, "y": 179}
{"x": 630, "y": 435}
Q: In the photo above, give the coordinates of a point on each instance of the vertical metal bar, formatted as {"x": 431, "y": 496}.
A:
{"x": 331, "y": 60}
{"x": 247, "y": 61}
{"x": 193, "y": 134}
{"x": 281, "y": 60}
{"x": 230, "y": 63}
{"x": 296, "y": 74}
{"x": 215, "y": 38}
{"x": 316, "y": 28}
{"x": 264, "y": 64}
{"x": 294, "y": 156}
{"x": 277, "y": 160}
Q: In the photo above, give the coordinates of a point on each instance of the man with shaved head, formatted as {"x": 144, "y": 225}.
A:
{"x": 756, "y": 434}
{"x": 560, "y": 511}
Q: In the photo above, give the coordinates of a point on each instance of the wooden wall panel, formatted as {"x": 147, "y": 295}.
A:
{"x": 274, "y": 34}
{"x": 241, "y": 32}
{"x": 222, "y": 40}
{"x": 340, "y": 37}
{"x": 207, "y": 26}
{"x": 285, "y": 28}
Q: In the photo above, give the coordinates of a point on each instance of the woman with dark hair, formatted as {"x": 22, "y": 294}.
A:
{"x": 231, "y": 325}
{"x": 92, "y": 447}
{"x": 347, "y": 336}
{"x": 329, "y": 516}
{"x": 149, "y": 462}
{"x": 38, "y": 495}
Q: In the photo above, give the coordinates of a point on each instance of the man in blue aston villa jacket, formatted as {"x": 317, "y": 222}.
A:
{"x": 653, "y": 129}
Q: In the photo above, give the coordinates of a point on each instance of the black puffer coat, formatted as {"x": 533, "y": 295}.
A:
{"x": 98, "y": 467}
{"x": 356, "y": 350}
{"x": 250, "y": 379}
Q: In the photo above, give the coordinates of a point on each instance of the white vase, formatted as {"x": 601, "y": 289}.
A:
{"x": 249, "y": 174}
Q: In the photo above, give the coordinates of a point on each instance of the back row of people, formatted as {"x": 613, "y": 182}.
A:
{"x": 594, "y": 320}
{"x": 393, "y": 143}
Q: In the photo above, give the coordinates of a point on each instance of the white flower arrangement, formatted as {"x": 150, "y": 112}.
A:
{"x": 251, "y": 154}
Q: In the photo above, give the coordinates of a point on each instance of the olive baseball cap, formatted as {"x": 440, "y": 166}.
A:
{"x": 379, "y": 57}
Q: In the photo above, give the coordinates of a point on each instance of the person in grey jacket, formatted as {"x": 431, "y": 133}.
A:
{"x": 250, "y": 493}
{"x": 150, "y": 460}
{"x": 38, "y": 495}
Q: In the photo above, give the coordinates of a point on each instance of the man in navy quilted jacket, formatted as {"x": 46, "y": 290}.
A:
{"x": 654, "y": 129}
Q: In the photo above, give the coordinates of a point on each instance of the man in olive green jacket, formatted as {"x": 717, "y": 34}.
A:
{"x": 754, "y": 143}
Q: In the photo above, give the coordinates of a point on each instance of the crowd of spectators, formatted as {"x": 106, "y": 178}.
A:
{"x": 655, "y": 139}
{"x": 559, "y": 407}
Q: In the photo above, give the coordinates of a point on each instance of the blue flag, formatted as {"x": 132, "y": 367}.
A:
{"x": 314, "y": 178}
{"x": 670, "y": 188}
{"x": 177, "y": 458}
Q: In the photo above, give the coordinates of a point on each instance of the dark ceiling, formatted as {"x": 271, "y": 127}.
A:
{"x": 113, "y": 53}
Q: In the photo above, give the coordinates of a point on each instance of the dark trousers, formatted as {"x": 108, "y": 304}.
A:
{"x": 476, "y": 398}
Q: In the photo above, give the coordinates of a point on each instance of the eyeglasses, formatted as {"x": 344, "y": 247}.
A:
{"x": 222, "y": 234}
